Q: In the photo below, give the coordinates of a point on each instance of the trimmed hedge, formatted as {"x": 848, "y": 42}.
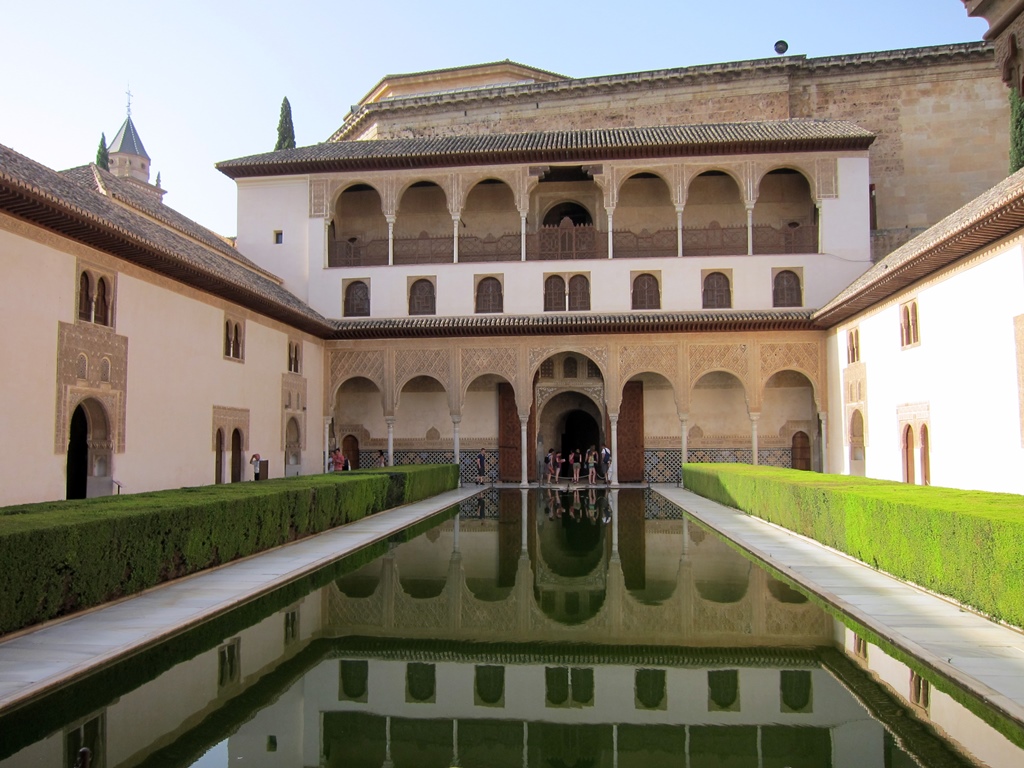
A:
{"x": 968, "y": 545}
{"x": 64, "y": 556}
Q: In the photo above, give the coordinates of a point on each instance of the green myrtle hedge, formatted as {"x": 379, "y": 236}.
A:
{"x": 968, "y": 545}
{"x": 60, "y": 557}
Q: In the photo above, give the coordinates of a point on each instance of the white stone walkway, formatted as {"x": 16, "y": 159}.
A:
{"x": 35, "y": 661}
{"x": 980, "y": 655}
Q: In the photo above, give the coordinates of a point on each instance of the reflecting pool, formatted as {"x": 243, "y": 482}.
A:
{"x": 521, "y": 629}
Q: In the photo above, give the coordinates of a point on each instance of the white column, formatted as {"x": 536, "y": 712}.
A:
{"x": 824, "y": 442}
{"x": 455, "y": 537}
{"x": 391, "y": 440}
{"x": 614, "y": 418}
{"x": 455, "y": 236}
{"x": 327, "y": 440}
{"x": 456, "y": 454}
{"x": 817, "y": 204}
{"x": 611, "y": 216}
{"x": 679, "y": 230}
{"x": 391, "y": 239}
{"x": 753, "y": 436}
{"x": 684, "y": 423}
{"x": 750, "y": 229}
{"x": 613, "y": 503}
{"x": 523, "y": 454}
{"x": 522, "y": 235}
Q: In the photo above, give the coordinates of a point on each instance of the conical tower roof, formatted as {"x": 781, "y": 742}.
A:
{"x": 127, "y": 141}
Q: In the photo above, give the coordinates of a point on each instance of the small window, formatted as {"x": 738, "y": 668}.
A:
{"x": 920, "y": 691}
{"x": 786, "y": 290}
{"x": 291, "y": 626}
{"x": 422, "y": 300}
{"x": 101, "y": 310}
{"x": 554, "y": 294}
{"x": 860, "y": 647}
{"x": 420, "y": 683}
{"x": 853, "y": 346}
{"x": 593, "y": 370}
{"x": 85, "y": 298}
{"x": 723, "y": 690}
{"x": 234, "y": 339}
{"x": 357, "y": 299}
{"x": 579, "y": 293}
{"x": 547, "y": 369}
{"x": 229, "y": 664}
{"x": 489, "y": 296}
{"x": 646, "y": 293}
{"x": 909, "y": 331}
{"x": 90, "y": 735}
{"x": 294, "y": 360}
{"x": 278, "y": 237}
{"x": 570, "y": 368}
{"x": 717, "y": 293}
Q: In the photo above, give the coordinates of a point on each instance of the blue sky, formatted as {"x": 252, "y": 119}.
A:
{"x": 208, "y": 77}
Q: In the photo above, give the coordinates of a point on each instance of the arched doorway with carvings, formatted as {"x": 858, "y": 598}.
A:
{"x": 90, "y": 452}
{"x": 358, "y": 415}
{"x": 569, "y": 400}
{"x": 788, "y": 429}
{"x": 292, "y": 449}
{"x": 648, "y": 430}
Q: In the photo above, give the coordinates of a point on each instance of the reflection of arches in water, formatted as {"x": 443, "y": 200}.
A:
{"x": 784, "y": 593}
{"x": 720, "y": 574}
{"x": 571, "y": 544}
{"x": 362, "y": 582}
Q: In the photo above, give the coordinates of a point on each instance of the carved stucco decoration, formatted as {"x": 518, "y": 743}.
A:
{"x": 914, "y": 415}
{"x": 293, "y": 406}
{"x": 651, "y": 358}
{"x": 598, "y": 354}
{"x": 229, "y": 419}
{"x": 718, "y": 357}
{"x": 347, "y": 364}
{"x": 595, "y": 393}
{"x": 826, "y": 179}
{"x": 502, "y": 361}
{"x": 102, "y": 356}
{"x": 435, "y": 363}
{"x": 318, "y": 198}
{"x": 796, "y": 356}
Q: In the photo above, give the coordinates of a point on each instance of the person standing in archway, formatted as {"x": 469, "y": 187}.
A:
{"x": 592, "y": 465}
{"x": 549, "y": 466}
{"x": 481, "y": 466}
{"x": 576, "y": 459}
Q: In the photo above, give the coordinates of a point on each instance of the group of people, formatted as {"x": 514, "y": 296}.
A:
{"x": 338, "y": 462}
{"x": 593, "y": 509}
{"x": 597, "y": 464}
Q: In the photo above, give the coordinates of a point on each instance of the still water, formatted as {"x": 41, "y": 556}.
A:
{"x": 521, "y": 629}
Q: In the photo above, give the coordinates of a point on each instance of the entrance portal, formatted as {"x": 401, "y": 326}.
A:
{"x": 580, "y": 432}
{"x": 78, "y": 455}
{"x": 90, "y": 452}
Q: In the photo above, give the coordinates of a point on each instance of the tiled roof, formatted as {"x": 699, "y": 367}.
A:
{"x": 128, "y": 192}
{"x": 355, "y": 120}
{"x": 569, "y": 323}
{"x": 128, "y": 141}
{"x": 557, "y": 146}
{"x": 35, "y": 193}
{"x": 989, "y": 217}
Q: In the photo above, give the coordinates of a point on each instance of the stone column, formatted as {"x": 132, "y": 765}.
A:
{"x": 522, "y": 235}
{"x": 753, "y": 437}
{"x": 684, "y": 423}
{"x": 391, "y": 440}
{"x": 524, "y": 517}
{"x": 750, "y": 229}
{"x": 391, "y": 238}
{"x": 613, "y": 503}
{"x": 614, "y": 419}
{"x": 824, "y": 441}
{"x": 456, "y": 453}
{"x": 455, "y": 236}
{"x": 611, "y": 217}
{"x": 679, "y": 230}
{"x": 523, "y": 454}
{"x": 817, "y": 204}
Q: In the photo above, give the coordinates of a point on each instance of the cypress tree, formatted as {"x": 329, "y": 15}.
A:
{"x": 1016, "y": 131}
{"x": 285, "y": 129}
{"x": 102, "y": 158}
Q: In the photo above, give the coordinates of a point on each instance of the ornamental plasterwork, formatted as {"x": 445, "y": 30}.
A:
{"x": 826, "y": 178}
{"x": 915, "y": 415}
{"x": 293, "y": 406}
{"x": 661, "y": 358}
{"x": 229, "y": 419}
{"x": 800, "y": 356}
{"x": 347, "y": 364}
{"x": 502, "y": 361}
{"x": 92, "y": 362}
{"x": 595, "y": 393}
{"x": 318, "y": 198}
{"x": 435, "y": 363}
{"x": 718, "y": 357}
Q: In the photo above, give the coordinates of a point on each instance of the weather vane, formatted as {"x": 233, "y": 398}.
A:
{"x": 129, "y": 94}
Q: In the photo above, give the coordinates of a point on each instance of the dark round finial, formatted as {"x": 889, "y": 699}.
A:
{"x": 781, "y": 47}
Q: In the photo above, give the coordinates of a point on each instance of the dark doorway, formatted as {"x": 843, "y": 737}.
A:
{"x": 576, "y": 213}
{"x": 78, "y": 455}
{"x": 580, "y": 432}
{"x": 236, "y": 456}
{"x": 801, "y": 451}
{"x": 350, "y": 449}
{"x": 218, "y": 470}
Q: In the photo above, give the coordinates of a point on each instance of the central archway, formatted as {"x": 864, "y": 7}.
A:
{"x": 89, "y": 452}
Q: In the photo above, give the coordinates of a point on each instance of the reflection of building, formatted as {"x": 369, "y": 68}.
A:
{"x": 500, "y": 257}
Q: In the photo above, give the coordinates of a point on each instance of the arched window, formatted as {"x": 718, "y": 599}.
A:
{"x": 227, "y": 338}
{"x": 554, "y": 294}
{"x": 717, "y": 294}
{"x": 100, "y": 314}
{"x": 236, "y": 342}
{"x": 85, "y": 298}
{"x": 357, "y": 299}
{"x": 570, "y": 368}
{"x": 421, "y": 298}
{"x": 909, "y": 333}
{"x": 853, "y": 346}
{"x": 488, "y": 295}
{"x": 908, "y": 455}
{"x": 926, "y": 462}
{"x": 579, "y": 293}
{"x": 786, "y": 292}
{"x": 646, "y": 294}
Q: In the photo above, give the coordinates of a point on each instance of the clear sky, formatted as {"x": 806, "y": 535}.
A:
{"x": 208, "y": 77}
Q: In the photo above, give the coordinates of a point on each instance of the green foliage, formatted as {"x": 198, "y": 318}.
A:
{"x": 968, "y": 545}
{"x": 64, "y": 556}
{"x": 1016, "y": 131}
{"x": 102, "y": 158}
{"x": 285, "y": 129}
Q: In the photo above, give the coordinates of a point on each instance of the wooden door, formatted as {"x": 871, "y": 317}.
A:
{"x": 801, "y": 448}
{"x": 630, "y": 458}
{"x": 510, "y": 465}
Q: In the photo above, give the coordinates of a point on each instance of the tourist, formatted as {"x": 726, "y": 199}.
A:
{"x": 255, "y": 461}
{"x": 576, "y": 459}
{"x": 549, "y": 466}
{"x": 481, "y": 465}
{"x": 557, "y": 463}
{"x": 606, "y": 463}
{"x": 382, "y": 459}
{"x": 592, "y": 464}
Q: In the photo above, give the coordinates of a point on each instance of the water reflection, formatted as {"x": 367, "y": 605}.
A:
{"x": 527, "y": 630}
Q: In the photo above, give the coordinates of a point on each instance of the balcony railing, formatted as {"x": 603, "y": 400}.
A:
{"x": 562, "y": 243}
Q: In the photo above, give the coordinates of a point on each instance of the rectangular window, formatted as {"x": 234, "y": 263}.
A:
{"x": 229, "y": 664}
{"x": 278, "y": 237}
